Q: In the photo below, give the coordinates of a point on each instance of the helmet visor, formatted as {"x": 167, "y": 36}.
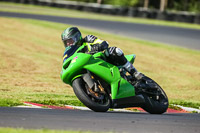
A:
{"x": 72, "y": 40}
{"x": 69, "y": 42}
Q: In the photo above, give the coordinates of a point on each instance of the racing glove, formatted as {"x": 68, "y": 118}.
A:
{"x": 90, "y": 38}
{"x": 99, "y": 47}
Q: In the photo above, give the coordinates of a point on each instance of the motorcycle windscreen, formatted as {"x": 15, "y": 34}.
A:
{"x": 69, "y": 51}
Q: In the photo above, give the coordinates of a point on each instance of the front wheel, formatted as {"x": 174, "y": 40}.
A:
{"x": 156, "y": 101}
{"x": 101, "y": 104}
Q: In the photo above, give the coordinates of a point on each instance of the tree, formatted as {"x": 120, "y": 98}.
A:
{"x": 146, "y": 4}
{"x": 99, "y": 1}
{"x": 163, "y": 5}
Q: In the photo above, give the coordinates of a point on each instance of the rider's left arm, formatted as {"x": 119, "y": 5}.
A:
{"x": 93, "y": 44}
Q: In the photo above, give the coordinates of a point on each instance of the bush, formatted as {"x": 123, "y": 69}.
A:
{"x": 177, "y": 5}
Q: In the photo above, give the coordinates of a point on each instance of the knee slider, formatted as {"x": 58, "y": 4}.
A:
{"x": 110, "y": 51}
{"x": 114, "y": 51}
{"x": 118, "y": 52}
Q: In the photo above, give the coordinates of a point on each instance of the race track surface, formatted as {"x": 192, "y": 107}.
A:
{"x": 93, "y": 121}
{"x": 189, "y": 38}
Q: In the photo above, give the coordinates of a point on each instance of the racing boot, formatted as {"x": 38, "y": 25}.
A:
{"x": 133, "y": 72}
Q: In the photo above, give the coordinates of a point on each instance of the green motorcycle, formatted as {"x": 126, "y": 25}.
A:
{"x": 100, "y": 85}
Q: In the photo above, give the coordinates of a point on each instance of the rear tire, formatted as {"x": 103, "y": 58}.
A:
{"x": 81, "y": 92}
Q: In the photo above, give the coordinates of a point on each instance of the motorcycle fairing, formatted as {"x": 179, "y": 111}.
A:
{"x": 131, "y": 58}
{"x": 74, "y": 66}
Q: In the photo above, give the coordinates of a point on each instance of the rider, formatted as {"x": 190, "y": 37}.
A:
{"x": 72, "y": 39}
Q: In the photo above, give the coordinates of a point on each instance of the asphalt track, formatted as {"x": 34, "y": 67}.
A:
{"x": 88, "y": 120}
{"x": 189, "y": 38}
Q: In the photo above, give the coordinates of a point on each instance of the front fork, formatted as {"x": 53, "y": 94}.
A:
{"x": 94, "y": 88}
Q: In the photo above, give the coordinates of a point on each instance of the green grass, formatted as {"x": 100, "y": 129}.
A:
{"x": 63, "y": 100}
{"x": 43, "y": 10}
{"x": 31, "y": 60}
{"x": 9, "y": 102}
{"x": 21, "y": 130}
{"x": 186, "y": 104}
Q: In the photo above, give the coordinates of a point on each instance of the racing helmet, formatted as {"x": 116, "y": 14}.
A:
{"x": 71, "y": 36}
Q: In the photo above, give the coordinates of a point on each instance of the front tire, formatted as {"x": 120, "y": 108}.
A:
{"x": 79, "y": 87}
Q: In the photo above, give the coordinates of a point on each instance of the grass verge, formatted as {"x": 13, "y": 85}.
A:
{"x": 31, "y": 59}
{"x": 43, "y": 10}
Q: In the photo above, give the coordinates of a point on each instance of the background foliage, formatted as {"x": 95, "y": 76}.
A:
{"x": 175, "y": 5}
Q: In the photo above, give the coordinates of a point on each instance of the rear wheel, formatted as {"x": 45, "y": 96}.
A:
{"x": 99, "y": 102}
{"x": 156, "y": 101}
